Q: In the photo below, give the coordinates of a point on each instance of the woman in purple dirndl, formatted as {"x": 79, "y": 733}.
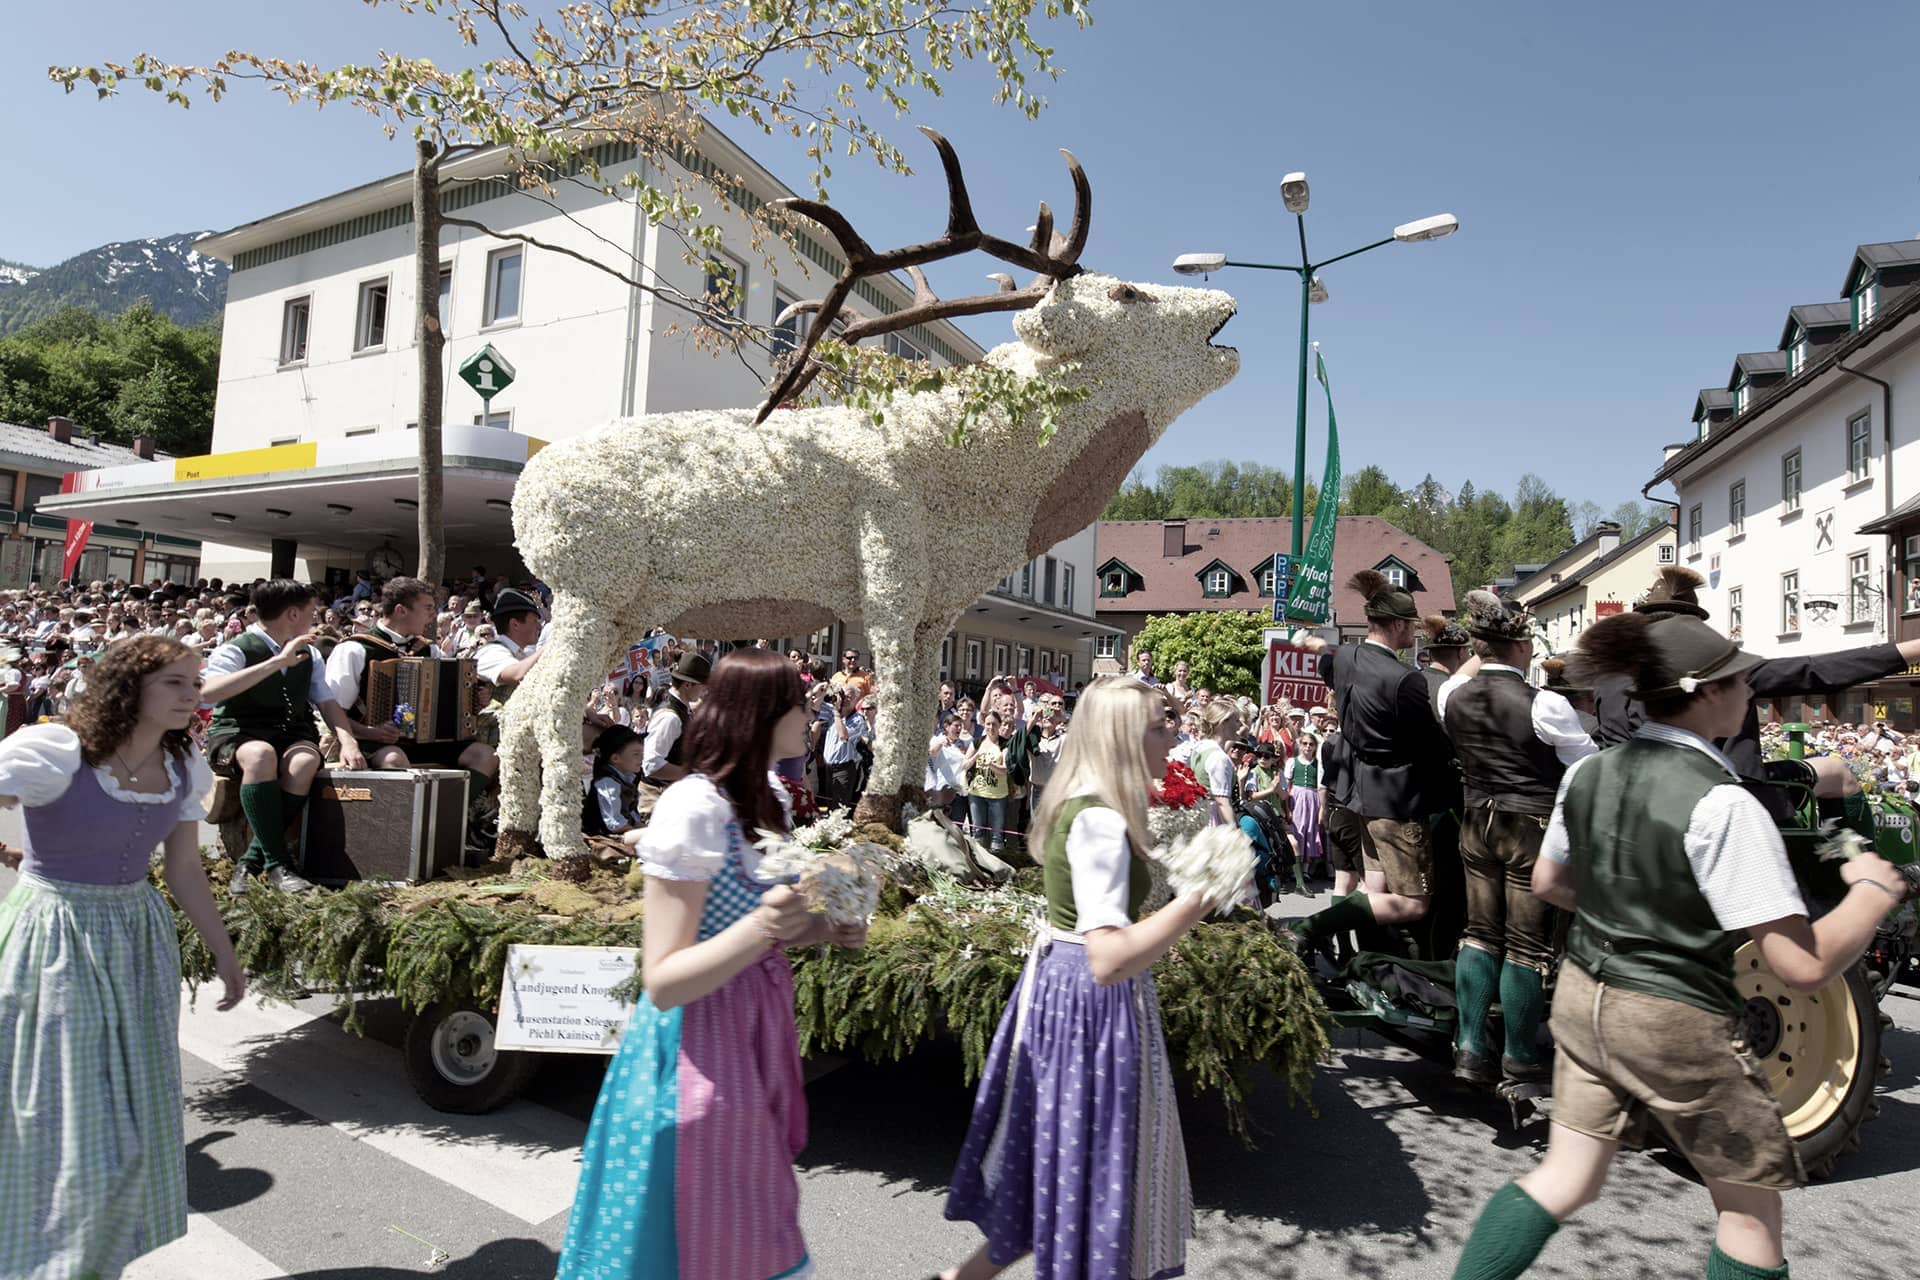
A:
{"x": 1074, "y": 1153}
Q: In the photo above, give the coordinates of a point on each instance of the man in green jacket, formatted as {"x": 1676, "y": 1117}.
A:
{"x": 264, "y": 686}
{"x": 1667, "y": 863}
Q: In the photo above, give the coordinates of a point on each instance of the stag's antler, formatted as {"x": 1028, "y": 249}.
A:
{"x": 1052, "y": 255}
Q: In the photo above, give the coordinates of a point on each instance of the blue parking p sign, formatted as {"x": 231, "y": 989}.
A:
{"x": 1280, "y": 609}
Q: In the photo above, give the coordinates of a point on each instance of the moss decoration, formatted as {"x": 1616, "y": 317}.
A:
{"x": 1231, "y": 998}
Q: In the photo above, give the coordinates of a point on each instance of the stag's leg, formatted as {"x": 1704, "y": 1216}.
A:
{"x": 894, "y": 578}
{"x": 574, "y": 658}
{"x": 519, "y": 775}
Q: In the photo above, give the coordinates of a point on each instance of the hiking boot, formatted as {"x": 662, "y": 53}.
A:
{"x": 288, "y": 881}
{"x": 1474, "y": 1069}
{"x": 1520, "y": 1072}
{"x": 242, "y": 880}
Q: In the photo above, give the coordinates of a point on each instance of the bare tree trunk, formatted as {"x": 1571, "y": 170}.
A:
{"x": 430, "y": 343}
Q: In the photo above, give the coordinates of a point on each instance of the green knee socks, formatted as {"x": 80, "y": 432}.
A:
{"x": 265, "y": 808}
{"x": 1522, "y": 1001}
{"x": 1350, "y": 912}
{"x": 1476, "y": 972}
{"x": 1721, "y": 1267}
{"x": 1510, "y": 1234}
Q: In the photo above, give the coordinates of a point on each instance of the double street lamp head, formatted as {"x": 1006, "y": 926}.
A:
{"x": 1199, "y": 264}
{"x": 1293, "y": 192}
{"x": 1438, "y": 227}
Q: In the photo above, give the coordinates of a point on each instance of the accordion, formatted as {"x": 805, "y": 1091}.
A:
{"x": 427, "y": 699}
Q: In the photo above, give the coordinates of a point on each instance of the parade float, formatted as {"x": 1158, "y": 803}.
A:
{"x": 895, "y": 509}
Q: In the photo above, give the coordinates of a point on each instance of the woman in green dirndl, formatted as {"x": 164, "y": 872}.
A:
{"x": 92, "y": 1161}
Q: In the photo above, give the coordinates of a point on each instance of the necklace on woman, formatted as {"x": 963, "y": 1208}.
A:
{"x": 132, "y": 776}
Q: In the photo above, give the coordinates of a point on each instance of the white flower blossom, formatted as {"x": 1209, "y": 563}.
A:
{"x": 710, "y": 526}
{"x": 1212, "y": 865}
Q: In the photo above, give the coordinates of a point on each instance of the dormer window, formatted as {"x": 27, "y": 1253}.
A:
{"x": 1741, "y": 393}
{"x": 1797, "y": 352}
{"x": 1114, "y": 584}
{"x": 1117, "y": 578}
{"x": 1219, "y": 582}
{"x": 1866, "y": 299}
{"x": 1396, "y": 575}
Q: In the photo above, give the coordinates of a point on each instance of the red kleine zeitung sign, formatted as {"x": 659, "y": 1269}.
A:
{"x": 1292, "y": 673}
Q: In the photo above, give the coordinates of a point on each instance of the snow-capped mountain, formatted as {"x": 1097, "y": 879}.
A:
{"x": 181, "y": 284}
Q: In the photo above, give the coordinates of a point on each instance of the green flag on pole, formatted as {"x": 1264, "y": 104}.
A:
{"x": 1312, "y": 596}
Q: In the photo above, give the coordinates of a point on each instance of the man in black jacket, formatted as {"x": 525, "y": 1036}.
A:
{"x": 1401, "y": 763}
{"x": 1676, "y": 592}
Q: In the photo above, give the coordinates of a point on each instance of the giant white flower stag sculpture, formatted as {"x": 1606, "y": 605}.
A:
{"x": 736, "y": 523}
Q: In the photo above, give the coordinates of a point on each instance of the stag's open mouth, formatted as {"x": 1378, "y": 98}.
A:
{"x": 1221, "y": 346}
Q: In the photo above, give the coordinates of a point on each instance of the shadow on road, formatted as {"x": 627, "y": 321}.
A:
{"x": 498, "y": 1260}
{"x": 212, "y": 1186}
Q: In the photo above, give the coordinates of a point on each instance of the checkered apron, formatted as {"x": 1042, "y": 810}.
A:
{"x": 92, "y": 1161}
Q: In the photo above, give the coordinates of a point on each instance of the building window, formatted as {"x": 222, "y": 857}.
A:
{"x": 1797, "y": 353}
{"x": 999, "y": 658}
{"x": 275, "y": 444}
{"x": 1219, "y": 582}
{"x": 1103, "y": 646}
{"x": 726, "y": 289}
{"x": 1736, "y": 612}
{"x": 1049, "y": 580}
{"x": 1859, "y": 445}
{"x": 1026, "y": 579}
{"x": 1063, "y": 675}
{"x": 1396, "y": 575}
{"x": 1740, "y": 394}
{"x": 1913, "y": 574}
{"x": 503, "y": 287}
{"x": 1023, "y": 660}
{"x": 1866, "y": 299}
{"x": 1696, "y": 522}
{"x": 370, "y": 320}
{"x": 973, "y": 659}
{"x": 1790, "y": 603}
{"x": 1114, "y": 583}
{"x": 1737, "y": 508}
{"x": 896, "y": 345}
{"x": 446, "y": 296}
{"x": 294, "y": 318}
{"x": 1859, "y": 587}
{"x": 946, "y": 658}
{"x": 1066, "y": 587}
{"x": 788, "y": 334}
{"x": 362, "y": 431}
{"x": 1790, "y": 480}
{"x": 1266, "y": 582}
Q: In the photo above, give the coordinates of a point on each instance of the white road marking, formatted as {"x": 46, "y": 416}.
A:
{"x": 205, "y": 1251}
{"x": 523, "y": 1159}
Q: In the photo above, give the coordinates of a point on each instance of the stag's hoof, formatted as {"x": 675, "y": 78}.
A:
{"x": 513, "y": 845}
{"x": 885, "y": 810}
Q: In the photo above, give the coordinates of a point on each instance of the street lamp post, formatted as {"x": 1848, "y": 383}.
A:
{"x": 1294, "y": 195}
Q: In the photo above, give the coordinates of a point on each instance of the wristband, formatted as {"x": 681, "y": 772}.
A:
{"x": 1897, "y": 897}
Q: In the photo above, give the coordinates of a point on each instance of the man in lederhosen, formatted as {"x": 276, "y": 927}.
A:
{"x": 1668, "y": 864}
{"x": 1514, "y": 743}
{"x": 1401, "y": 760}
{"x": 265, "y": 685}
{"x": 667, "y": 728}
{"x": 407, "y": 607}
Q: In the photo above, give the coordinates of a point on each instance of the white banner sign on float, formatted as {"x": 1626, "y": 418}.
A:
{"x": 559, "y": 999}
{"x": 1291, "y": 672}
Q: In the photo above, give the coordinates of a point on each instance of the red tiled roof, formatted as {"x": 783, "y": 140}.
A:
{"x": 1172, "y": 584}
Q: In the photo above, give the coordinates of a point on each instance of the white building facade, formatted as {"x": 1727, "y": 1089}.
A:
{"x": 1800, "y": 494}
{"x": 313, "y": 426}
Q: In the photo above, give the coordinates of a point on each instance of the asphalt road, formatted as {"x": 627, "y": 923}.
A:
{"x": 310, "y": 1157}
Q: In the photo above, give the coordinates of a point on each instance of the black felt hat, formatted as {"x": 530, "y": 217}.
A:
{"x": 1491, "y": 618}
{"x": 510, "y": 602}
{"x": 692, "y": 668}
{"x": 1675, "y": 591}
{"x": 1385, "y": 601}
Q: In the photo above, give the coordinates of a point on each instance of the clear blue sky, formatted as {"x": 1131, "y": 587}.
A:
{"x": 1643, "y": 190}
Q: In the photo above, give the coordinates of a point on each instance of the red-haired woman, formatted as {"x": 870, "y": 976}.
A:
{"x": 688, "y": 1166}
{"x": 92, "y": 1163}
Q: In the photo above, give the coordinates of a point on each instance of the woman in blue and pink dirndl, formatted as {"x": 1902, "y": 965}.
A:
{"x": 1074, "y": 1153}
{"x": 688, "y": 1168}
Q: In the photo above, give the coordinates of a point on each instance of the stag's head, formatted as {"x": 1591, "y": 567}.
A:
{"x": 1155, "y": 338}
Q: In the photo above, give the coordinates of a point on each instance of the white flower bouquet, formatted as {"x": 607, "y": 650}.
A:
{"x": 1212, "y": 865}
{"x": 840, "y": 879}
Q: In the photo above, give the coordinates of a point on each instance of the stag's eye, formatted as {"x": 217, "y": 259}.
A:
{"x": 1124, "y": 293}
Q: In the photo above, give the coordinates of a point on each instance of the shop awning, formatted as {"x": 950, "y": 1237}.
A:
{"x": 1906, "y": 513}
{"x": 1016, "y": 611}
{"x": 346, "y": 494}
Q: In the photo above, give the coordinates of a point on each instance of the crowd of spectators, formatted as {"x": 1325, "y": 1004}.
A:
{"x": 1881, "y": 757}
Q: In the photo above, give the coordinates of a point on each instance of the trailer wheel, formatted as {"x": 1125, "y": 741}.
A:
{"x": 453, "y": 1066}
{"x": 1821, "y": 1053}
